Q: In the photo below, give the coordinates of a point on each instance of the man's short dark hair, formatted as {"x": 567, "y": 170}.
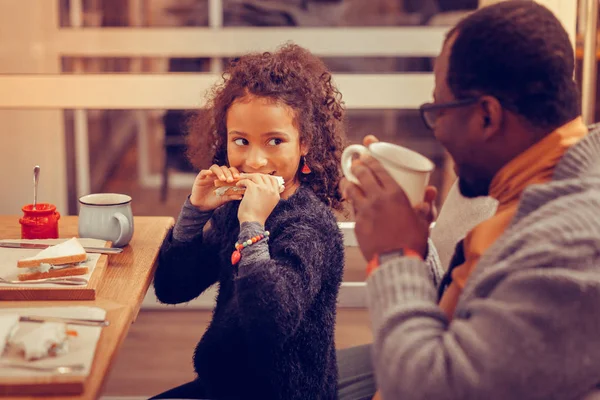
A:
{"x": 518, "y": 52}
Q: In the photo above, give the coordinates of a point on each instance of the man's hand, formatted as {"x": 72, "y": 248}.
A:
{"x": 427, "y": 209}
{"x": 385, "y": 220}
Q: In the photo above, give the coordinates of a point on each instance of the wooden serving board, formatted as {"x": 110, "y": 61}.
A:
{"x": 43, "y": 385}
{"x": 82, "y": 350}
{"x": 60, "y": 292}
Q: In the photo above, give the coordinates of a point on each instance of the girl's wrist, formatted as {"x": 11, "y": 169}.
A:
{"x": 245, "y": 240}
{"x": 251, "y": 219}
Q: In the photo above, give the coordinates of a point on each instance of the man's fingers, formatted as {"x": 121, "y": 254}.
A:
{"x": 369, "y": 139}
{"x": 431, "y": 193}
{"x": 365, "y": 176}
{"x": 379, "y": 174}
{"x": 430, "y": 196}
{"x": 352, "y": 192}
{"x": 424, "y": 210}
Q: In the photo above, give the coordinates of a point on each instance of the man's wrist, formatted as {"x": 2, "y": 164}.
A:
{"x": 379, "y": 259}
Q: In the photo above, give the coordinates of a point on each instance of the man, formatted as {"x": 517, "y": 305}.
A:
{"x": 517, "y": 315}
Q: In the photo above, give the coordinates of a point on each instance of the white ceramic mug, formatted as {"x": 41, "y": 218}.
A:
{"x": 409, "y": 169}
{"x": 106, "y": 216}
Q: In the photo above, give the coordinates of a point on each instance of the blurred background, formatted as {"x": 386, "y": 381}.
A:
{"x": 95, "y": 92}
{"x": 116, "y": 76}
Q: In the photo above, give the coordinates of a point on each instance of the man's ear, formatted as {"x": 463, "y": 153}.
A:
{"x": 492, "y": 115}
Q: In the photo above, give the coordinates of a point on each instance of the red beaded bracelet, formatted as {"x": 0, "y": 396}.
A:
{"x": 236, "y": 256}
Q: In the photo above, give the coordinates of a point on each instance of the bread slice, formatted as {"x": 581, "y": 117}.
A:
{"x": 68, "y": 252}
{"x": 55, "y": 261}
{"x": 220, "y": 183}
{"x": 54, "y": 273}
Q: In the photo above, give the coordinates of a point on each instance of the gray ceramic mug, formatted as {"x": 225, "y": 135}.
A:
{"x": 106, "y": 216}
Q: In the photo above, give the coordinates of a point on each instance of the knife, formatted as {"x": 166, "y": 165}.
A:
{"x": 71, "y": 321}
{"x": 101, "y": 250}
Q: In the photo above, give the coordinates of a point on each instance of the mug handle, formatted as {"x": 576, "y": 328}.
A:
{"x": 125, "y": 227}
{"x": 347, "y": 158}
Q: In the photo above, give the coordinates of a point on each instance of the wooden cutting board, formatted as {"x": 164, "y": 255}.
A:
{"x": 60, "y": 292}
{"x": 82, "y": 350}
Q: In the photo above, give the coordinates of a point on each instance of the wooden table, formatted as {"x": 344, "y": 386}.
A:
{"x": 124, "y": 285}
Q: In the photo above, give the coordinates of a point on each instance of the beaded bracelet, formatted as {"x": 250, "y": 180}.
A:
{"x": 236, "y": 256}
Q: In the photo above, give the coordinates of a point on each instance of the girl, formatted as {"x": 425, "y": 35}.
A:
{"x": 276, "y": 252}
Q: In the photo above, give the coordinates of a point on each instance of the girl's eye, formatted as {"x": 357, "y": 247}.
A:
{"x": 275, "y": 142}
{"x": 240, "y": 142}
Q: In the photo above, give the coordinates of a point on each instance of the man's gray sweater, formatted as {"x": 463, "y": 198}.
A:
{"x": 527, "y": 325}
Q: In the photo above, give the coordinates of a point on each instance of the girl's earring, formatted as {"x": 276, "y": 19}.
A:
{"x": 305, "y": 169}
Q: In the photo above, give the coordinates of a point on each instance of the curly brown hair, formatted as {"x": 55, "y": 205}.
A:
{"x": 292, "y": 76}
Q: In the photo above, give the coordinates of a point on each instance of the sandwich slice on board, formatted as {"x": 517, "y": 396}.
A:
{"x": 62, "y": 259}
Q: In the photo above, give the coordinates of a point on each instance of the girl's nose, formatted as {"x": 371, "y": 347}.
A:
{"x": 256, "y": 160}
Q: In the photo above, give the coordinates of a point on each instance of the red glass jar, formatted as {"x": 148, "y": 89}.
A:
{"x": 41, "y": 223}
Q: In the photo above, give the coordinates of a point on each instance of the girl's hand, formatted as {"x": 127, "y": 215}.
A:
{"x": 261, "y": 197}
{"x": 203, "y": 192}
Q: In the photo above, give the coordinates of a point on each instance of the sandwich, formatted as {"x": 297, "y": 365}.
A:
{"x": 55, "y": 261}
{"x": 50, "y": 339}
{"x": 229, "y": 188}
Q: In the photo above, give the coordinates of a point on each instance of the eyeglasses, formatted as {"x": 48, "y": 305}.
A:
{"x": 430, "y": 111}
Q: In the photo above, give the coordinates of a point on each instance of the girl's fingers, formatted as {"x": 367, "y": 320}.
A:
{"x": 266, "y": 181}
{"x": 205, "y": 175}
{"x": 263, "y": 179}
{"x": 224, "y": 173}
{"x": 234, "y": 172}
{"x": 227, "y": 173}
{"x": 273, "y": 183}
{"x": 218, "y": 172}
{"x": 204, "y": 178}
{"x": 205, "y": 172}
{"x": 251, "y": 177}
{"x": 246, "y": 182}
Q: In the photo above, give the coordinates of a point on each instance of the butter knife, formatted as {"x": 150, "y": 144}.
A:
{"x": 71, "y": 321}
{"x": 101, "y": 250}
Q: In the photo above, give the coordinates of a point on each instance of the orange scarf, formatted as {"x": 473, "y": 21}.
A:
{"x": 534, "y": 166}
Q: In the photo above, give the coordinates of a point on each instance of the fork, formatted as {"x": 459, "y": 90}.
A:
{"x": 60, "y": 369}
{"x": 61, "y": 280}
